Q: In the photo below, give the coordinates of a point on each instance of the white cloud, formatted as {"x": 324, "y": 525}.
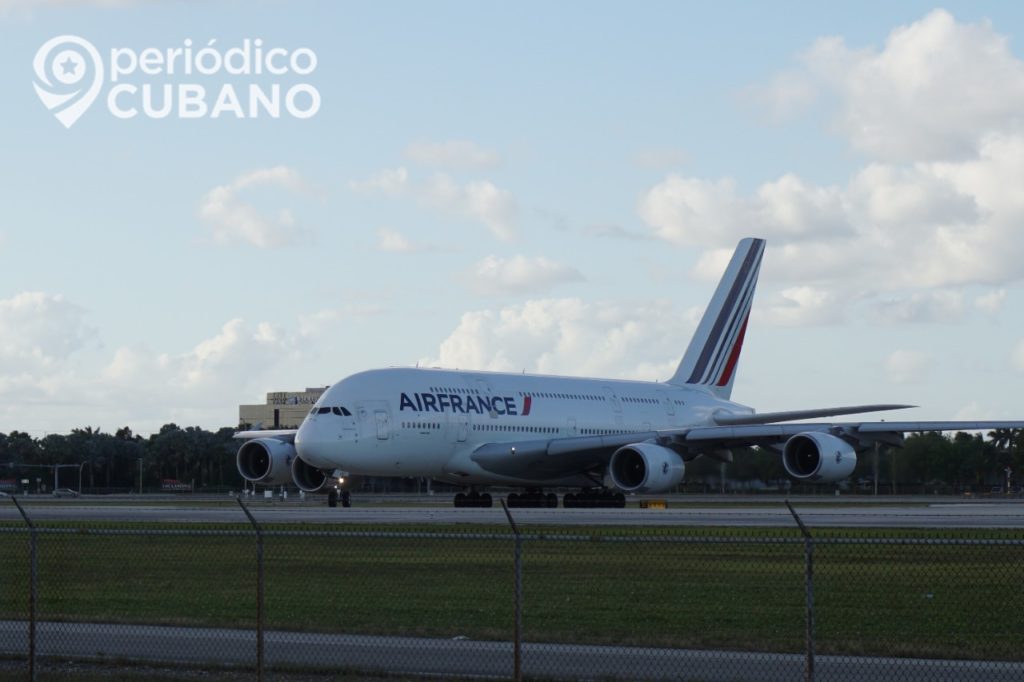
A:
{"x": 615, "y": 232}
{"x": 800, "y": 306}
{"x": 908, "y": 367}
{"x": 928, "y": 94}
{"x": 568, "y": 336}
{"x": 694, "y": 211}
{"x": 389, "y": 181}
{"x": 494, "y": 276}
{"x": 39, "y": 330}
{"x": 452, "y": 155}
{"x": 925, "y": 307}
{"x": 901, "y": 241}
{"x": 233, "y": 220}
{"x": 225, "y": 361}
{"x": 479, "y": 201}
{"x": 936, "y": 206}
{"x": 392, "y": 241}
{"x": 991, "y": 302}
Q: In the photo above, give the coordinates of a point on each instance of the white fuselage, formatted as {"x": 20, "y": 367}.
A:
{"x": 428, "y": 422}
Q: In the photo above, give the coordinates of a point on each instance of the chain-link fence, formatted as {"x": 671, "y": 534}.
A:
{"x": 403, "y": 602}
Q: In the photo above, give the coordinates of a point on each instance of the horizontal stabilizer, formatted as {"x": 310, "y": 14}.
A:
{"x": 726, "y": 419}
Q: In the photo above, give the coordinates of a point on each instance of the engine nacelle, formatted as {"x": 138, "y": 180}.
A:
{"x": 310, "y": 479}
{"x": 645, "y": 468}
{"x": 818, "y": 457}
{"x": 266, "y": 461}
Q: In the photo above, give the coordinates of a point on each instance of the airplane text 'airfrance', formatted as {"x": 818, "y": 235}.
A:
{"x": 450, "y": 402}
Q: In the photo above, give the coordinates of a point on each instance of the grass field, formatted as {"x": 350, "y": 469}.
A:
{"x": 945, "y": 595}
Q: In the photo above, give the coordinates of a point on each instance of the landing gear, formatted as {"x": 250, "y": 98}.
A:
{"x": 590, "y": 499}
{"x": 533, "y": 499}
{"x": 333, "y": 496}
{"x": 473, "y": 499}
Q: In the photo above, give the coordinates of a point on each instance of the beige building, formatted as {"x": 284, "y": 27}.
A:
{"x": 283, "y": 409}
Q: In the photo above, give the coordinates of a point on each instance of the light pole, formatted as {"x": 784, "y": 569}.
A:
{"x": 57, "y": 467}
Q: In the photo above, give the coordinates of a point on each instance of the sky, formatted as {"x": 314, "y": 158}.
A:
{"x": 531, "y": 186}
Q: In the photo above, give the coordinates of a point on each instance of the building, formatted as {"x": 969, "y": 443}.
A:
{"x": 283, "y": 409}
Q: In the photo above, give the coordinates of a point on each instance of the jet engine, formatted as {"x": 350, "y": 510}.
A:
{"x": 645, "y": 468}
{"x": 266, "y": 461}
{"x": 308, "y": 478}
{"x": 818, "y": 457}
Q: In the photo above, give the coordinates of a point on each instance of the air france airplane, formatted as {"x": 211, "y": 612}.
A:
{"x": 601, "y": 437}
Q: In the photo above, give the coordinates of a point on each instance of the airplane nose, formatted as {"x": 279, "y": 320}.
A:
{"x": 311, "y": 444}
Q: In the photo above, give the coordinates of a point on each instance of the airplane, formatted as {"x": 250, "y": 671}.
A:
{"x": 602, "y": 438}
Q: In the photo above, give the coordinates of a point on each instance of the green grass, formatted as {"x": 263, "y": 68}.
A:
{"x": 717, "y": 588}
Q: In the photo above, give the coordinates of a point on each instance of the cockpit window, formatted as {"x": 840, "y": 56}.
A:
{"x": 325, "y": 410}
{"x": 340, "y": 411}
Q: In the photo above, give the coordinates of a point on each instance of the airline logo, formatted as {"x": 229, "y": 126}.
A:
{"x": 721, "y": 351}
{"x": 464, "y": 404}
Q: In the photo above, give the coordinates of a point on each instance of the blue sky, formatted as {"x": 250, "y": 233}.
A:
{"x": 542, "y": 186}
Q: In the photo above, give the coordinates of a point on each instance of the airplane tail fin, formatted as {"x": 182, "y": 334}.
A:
{"x": 714, "y": 350}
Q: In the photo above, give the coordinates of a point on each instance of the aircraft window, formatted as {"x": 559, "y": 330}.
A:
{"x": 325, "y": 410}
{"x": 336, "y": 410}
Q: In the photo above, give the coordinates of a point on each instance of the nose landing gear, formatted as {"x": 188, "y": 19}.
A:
{"x": 334, "y": 495}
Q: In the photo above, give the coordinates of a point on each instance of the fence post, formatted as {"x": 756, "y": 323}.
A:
{"x": 259, "y": 590}
{"x": 517, "y": 567}
{"x": 809, "y": 596}
{"x": 32, "y": 599}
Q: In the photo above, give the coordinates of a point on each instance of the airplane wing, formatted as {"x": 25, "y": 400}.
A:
{"x": 866, "y": 433}
{"x": 729, "y": 419}
{"x": 285, "y": 435}
{"x": 552, "y": 458}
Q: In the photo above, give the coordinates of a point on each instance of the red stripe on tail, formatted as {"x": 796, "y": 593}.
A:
{"x": 734, "y": 355}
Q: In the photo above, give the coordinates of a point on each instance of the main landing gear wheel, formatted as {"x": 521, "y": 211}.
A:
{"x": 473, "y": 499}
{"x": 346, "y": 498}
{"x": 594, "y": 499}
{"x": 332, "y": 498}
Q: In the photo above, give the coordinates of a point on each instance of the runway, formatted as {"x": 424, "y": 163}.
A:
{"x": 460, "y": 657}
{"x": 915, "y": 513}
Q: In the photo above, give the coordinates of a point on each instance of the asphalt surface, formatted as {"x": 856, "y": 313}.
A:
{"x": 462, "y": 657}
{"x": 816, "y": 513}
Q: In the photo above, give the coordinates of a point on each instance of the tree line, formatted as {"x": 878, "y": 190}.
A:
{"x": 927, "y": 463}
{"x": 205, "y": 460}
{"x": 111, "y": 462}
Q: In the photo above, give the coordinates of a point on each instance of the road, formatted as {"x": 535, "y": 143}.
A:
{"x": 920, "y": 513}
{"x": 209, "y": 647}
